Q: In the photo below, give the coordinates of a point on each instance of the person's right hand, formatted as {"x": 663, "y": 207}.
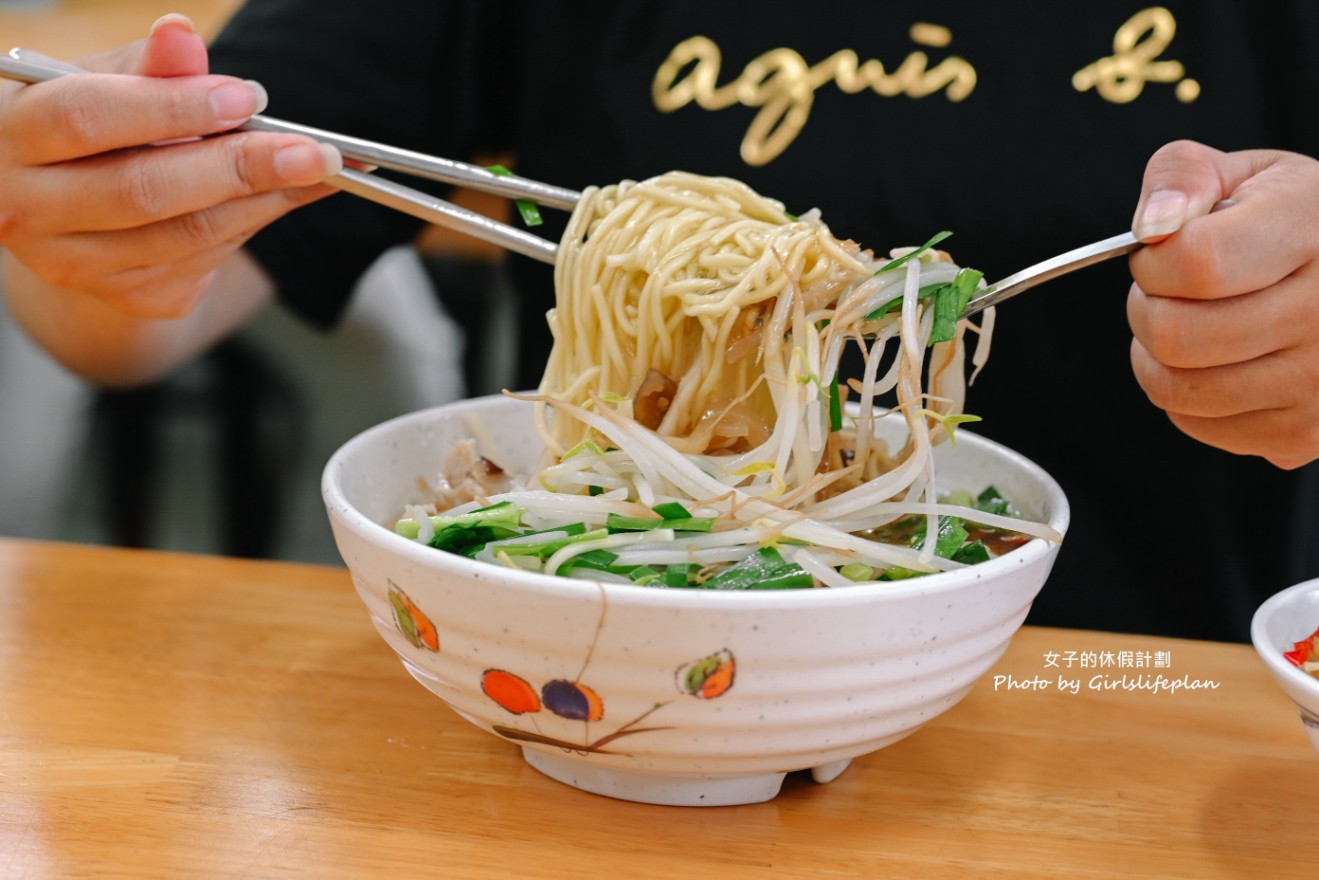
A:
{"x": 86, "y": 207}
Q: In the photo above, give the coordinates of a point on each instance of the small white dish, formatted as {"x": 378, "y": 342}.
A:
{"x": 1280, "y": 622}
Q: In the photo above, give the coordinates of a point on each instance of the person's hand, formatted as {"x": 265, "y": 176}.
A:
{"x": 1225, "y": 305}
{"x": 85, "y": 207}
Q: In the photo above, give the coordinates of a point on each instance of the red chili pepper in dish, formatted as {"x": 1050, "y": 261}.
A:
{"x": 1303, "y": 651}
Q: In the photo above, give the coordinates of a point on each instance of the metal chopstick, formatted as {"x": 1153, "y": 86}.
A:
{"x": 422, "y": 165}
{"x": 436, "y": 210}
{"x": 32, "y": 67}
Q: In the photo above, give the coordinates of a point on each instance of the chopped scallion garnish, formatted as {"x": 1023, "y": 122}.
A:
{"x": 911, "y": 255}
{"x": 835, "y": 406}
{"x": 529, "y": 210}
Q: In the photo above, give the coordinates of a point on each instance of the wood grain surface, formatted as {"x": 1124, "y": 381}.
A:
{"x": 72, "y": 29}
{"x": 166, "y": 715}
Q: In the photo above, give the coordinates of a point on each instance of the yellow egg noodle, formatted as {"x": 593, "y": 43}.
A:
{"x": 698, "y": 334}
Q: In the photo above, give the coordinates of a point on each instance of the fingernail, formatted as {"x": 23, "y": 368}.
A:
{"x": 236, "y": 101}
{"x": 1163, "y": 214}
{"x": 262, "y": 96}
{"x": 307, "y": 163}
{"x": 333, "y": 159}
{"x": 173, "y": 18}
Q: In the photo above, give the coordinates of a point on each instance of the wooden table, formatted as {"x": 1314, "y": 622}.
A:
{"x": 74, "y": 28}
{"x": 184, "y": 716}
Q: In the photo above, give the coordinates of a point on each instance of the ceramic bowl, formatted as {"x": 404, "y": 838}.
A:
{"x": 673, "y": 696}
{"x": 1279, "y": 623}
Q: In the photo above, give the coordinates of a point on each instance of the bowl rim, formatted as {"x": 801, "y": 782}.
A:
{"x": 1270, "y": 652}
{"x": 1033, "y": 551}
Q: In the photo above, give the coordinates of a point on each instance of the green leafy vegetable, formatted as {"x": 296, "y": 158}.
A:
{"x": 597, "y": 559}
{"x": 948, "y": 540}
{"x": 643, "y": 575}
{"x": 505, "y": 514}
{"x": 467, "y": 538}
{"x": 688, "y": 523}
{"x": 894, "y": 304}
{"x": 911, "y": 255}
{"x": 950, "y": 301}
{"x": 765, "y": 569}
{"x": 555, "y": 539}
{"x": 971, "y": 553}
{"x": 992, "y": 501}
{"x": 680, "y": 574}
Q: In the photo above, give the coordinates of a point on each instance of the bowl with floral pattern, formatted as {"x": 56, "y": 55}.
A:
{"x": 673, "y": 696}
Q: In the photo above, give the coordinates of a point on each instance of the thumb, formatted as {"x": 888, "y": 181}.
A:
{"x": 172, "y": 49}
{"x": 1182, "y": 180}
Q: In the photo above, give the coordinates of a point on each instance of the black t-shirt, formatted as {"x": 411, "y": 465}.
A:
{"x": 1023, "y": 127}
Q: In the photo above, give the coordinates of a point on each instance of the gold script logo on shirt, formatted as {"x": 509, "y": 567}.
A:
{"x": 782, "y": 85}
{"x": 1121, "y": 77}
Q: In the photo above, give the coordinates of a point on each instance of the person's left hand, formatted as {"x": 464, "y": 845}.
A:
{"x": 1225, "y": 305}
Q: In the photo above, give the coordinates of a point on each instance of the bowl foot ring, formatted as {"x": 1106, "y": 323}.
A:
{"x": 695, "y": 790}
{"x": 829, "y": 772}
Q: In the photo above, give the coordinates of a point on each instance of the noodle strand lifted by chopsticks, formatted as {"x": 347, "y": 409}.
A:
{"x": 708, "y": 314}
{"x": 698, "y": 333}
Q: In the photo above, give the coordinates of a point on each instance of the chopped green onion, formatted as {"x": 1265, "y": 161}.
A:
{"x": 910, "y": 255}
{"x": 467, "y": 538}
{"x": 972, "y": 553}
{"x": 949, "y": 303}
{"x": 949, "y": 539}
{"x": 597, "y": 559}
{"x": 923, "y": 294}
{"x": 643, "y": 575}
{"x": 680, "y": 574}
{"x": 616, "y": 523}
{"x": 672, "y": 510}
{"x": 576, "y": 528}
{"x": 992, "y": 501}
{"x": 763, "y": 570}
{"x": 526, "y": 207}
{"x": 551, "y": 545}
{"x": 505, "y": 513}
{"x": 835, "y": 407}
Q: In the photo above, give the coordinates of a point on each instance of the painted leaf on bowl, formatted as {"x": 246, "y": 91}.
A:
{"x": 415, "y": 626}
{"x": 572, "y": 700}
{"x": 510, "y": 691}
{"x": 709, "y": 677}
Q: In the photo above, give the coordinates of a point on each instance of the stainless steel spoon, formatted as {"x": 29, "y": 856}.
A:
{"x": 1051, "y": 268}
